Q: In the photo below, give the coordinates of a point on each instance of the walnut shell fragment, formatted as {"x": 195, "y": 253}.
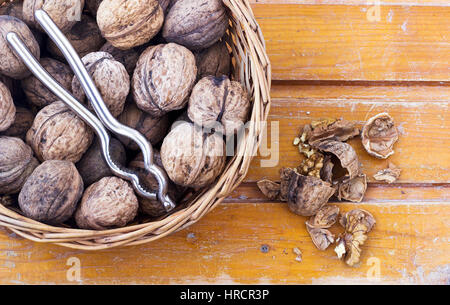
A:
{"x": 338, "y": 130}
{"x": 322, "y": 238}
{"x": 7, "y": 108}
{"x": 324, "y": 218}
{"x": 52, "y": 191}
{"x": 344, "y": 152}
{"x": 269, "y": 188}
{"x": 108, "y": 203}
{"x": 326, "y": 172}
{"x": 196, "y": 24}
{"x": 389, "y": 175}
{"x": 379, "y": 135}
{"x": 357, "y": 223}
{"x": 307, "y": 194}
{"x": 352, "y": 189}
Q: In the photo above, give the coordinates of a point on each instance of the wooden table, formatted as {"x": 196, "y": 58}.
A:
{"x": 329, "y": 60}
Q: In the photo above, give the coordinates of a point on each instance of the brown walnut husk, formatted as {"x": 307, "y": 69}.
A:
{"x": 214, "y": 61}
{"x": 16, "y": 164}
{"x": 58, "y": 133}
{"x": 7, "y": 108}
{"x": 22, "y": 123}
{"x": 52, "y": 192}
{"x": 220, "y": 104}
{"x": 357, "y": 223}
{"x": 10, "y": 64}
{"x": 196, "y": 24}
{"x": 93, "y": 167}
{"x": 84, "y": 36}
{"x": 269, "y": 188}
{"x": 192, "y": 158}
{"x": 352, "y": 189}
{"x": 65, "y": 13}
{"x": 127, "y": 24}
{"x": 128, "y": 58}
{"x": 37, "y": 93}
{"x": 152, "y": 128}
{"x": 379, "y": 135}
{"x": 389, "y": 175}
{"x": 108, "y": 203}
{"x": 110, "y": 77}
{"x": 163, "y": 78}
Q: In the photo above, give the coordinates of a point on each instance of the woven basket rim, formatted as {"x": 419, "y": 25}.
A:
{"x": 253, "y": 70}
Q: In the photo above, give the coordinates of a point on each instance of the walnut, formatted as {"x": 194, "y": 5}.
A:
{"x": 65, "y": 13}
{"x": 92, "y": 6}
{"x": 357, "y": 223}
{"x": 128, "y": 58}
{"x": 59, "y": 134}
{"x": 108, "y": 203}
{"x": 269, "y": 188}
{"x": 16, "y": 164}
{"x": 389, "y": 174}
{"x": 344, "y": 152}
{"x": 196, "y": 24}
{"x": 338, "y": 130}
{"x": 192, "y": 158}
{"x": 326, "y": 172}
{"x": 84, "y": 36}
{"x": 322, "y": 238}
{"x": 7, "y": 200}
{"x": 13, "y": 9}
{"x": 215, "y": 60}
{"x": 37, "y": 93}
{"x": 126, "y": 24}
{"x": 379, "y": 136}
{"x": 153, "y": 208}
{"x": 165, "y": 5}
{"x": 307, "y": 194}
{"x": 217, "y": 102}
{"x": 11, "y": 65}
{"x": 92, "y": 166}
{"x": 22, "y": 123}
{"x": 352, "y": 189}
{"x": 324, "y": 218}
{"x": 153, "y": 128}
{"x": 7, "y": 108}
{"x": 163, "y": 78}
{"x": 52, "y": 192}
{"x": 110, "y": 77}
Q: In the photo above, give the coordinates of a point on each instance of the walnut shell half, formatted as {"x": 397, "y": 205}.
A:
{"x": 379, "y": 135}
{"x": 52, "y": 192}
{"x": 7, "y": 108}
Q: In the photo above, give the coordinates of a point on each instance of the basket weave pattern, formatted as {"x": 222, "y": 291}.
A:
{"x": 252, "y": 68}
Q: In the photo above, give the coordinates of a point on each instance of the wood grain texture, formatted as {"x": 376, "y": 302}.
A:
{"x": 338, "y": 42}
{"x": 411, "y": 242}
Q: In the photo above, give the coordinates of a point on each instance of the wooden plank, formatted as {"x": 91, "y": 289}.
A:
{"x": 338, "y": 42}
{"x": 423, "y": 121}
{"x": 410, "y": 242}
{"x": 356, "y": 2}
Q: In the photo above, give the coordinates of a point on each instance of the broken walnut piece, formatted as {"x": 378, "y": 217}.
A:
{"x": 389, "y": 174}
{"x": 357, "y": 223}
{"x": 269, "y": 188}
{"x": 326, "y": 172}
{"x": 379, "y": 135}
{"x": 322, "y": 238}
{"x": 338, "y": 130}
{"x": 352, "y": 189}
{"x": 324, "y": 218}
{"x": 312, "y": 165}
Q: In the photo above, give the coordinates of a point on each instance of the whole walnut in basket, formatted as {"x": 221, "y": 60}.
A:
{"x": 110, "y": 77}
{"x": 192, "y": 158}
{"x": 52, "y": 192}
{"x": 65, "y": 13}
{"x": 107, "y": 203}
{"x": 153, "y": 128}
{"x": 196, "y": 24}
{"x": 7, "y": 108}
{"x": 84, "y": 36}
{"x": 16, "y": 164}
{"x": 93, "y": 167}
{"x": 59, "y": 134}
{"x": 128, "y": 58}
{"x": 215, "y": 61}
{"x": 126, "y": 24}
{"x": 217, "y": 102}
{"x": 22, "y": 123}
{"x": 163, "y": 78}
{"x": 10, "y": 64}
{"x": 37, "y": 93}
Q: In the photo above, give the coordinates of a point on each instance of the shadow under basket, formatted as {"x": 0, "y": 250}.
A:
{"x": 251, "y": 67}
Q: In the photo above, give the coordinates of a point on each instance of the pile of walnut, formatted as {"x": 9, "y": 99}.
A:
{"x": 155, "y": 62}
{"x": 331, "y": 168}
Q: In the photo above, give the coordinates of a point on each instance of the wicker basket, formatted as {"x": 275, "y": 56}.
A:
{"x": 252, "y": 68}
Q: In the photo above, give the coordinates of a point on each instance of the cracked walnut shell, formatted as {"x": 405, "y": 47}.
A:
{"x": 10, "y": 64}
{"x": 59, "y": 134}
{"x": 110, "y": 77}
{"x": 127, "y": 24}
{"x": 379, "y": 135}
{"x": 163, "y": 78}
{"x": 352, "y": 189}
{"x": 108, "y": 203}
{"x": 7, "y": 108}
{"x": 52, "y": 192}
{"x": 196, "y": 24}
{"x": 192, "y": 158}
